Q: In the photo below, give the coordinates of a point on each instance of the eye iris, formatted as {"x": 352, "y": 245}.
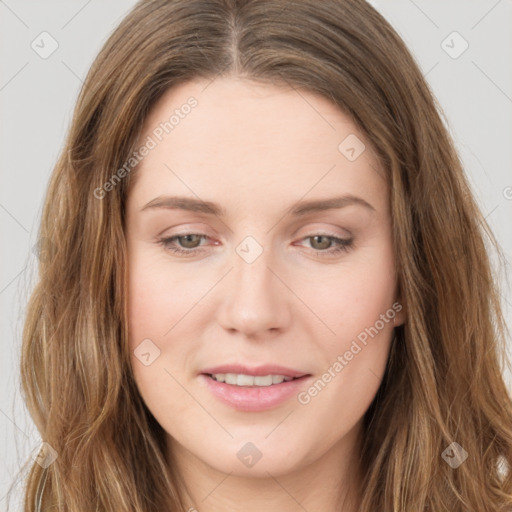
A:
{"x": 325, "y": 245}
{"x": 187, "y": 238}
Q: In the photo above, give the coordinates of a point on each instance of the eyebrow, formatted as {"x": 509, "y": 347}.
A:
{"x": 298, "y": 209}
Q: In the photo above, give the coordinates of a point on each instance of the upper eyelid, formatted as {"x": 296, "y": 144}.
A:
{"x": 314, "y": 233}
{"x": 313, "y": 230}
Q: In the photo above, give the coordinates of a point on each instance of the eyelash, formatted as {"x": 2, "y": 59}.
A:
{"x": 344, "y": 245}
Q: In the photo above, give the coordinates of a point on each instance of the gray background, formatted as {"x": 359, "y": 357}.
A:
{"x": 37, "y": 96}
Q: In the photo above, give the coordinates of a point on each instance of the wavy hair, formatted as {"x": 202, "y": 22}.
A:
{"x": 444, "y": 379}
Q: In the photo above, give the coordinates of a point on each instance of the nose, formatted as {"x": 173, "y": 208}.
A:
{"x": 255, "y": 301}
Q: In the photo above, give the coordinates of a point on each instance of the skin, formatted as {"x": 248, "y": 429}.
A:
{"x": 256, "y": 150}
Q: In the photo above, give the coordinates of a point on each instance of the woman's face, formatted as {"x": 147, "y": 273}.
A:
{"x": 285, "y": 269}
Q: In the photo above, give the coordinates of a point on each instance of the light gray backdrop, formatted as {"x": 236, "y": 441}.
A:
{"x": 464, "y": 48}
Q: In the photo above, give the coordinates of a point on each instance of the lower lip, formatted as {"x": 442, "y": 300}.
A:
{"x": 254, "y": 398}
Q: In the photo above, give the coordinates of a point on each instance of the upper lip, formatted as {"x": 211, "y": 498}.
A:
{"x": 266, "y": 369}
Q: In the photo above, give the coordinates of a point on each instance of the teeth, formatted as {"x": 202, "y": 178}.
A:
{"x": 250, "y": 380}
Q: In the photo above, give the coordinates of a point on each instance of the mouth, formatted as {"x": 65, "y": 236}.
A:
{"x": 245, "y": 380}
{"x": 254, "y": 389}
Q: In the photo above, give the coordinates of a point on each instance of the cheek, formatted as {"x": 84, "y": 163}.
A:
{"x": 365, "y": 297}
{"x": 163, "y": 307}
{"x": 352, "y": 298}
{"x": 159, "y": 296}
{"x": 158, "y": 301}
{"x": 359, "y": 306}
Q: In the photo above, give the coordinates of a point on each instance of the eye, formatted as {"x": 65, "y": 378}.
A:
{"x": 188, "y": 246}
{"x": 327, "y": 245}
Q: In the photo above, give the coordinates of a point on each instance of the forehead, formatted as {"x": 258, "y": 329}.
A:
{"x": 254, "y": 140}
{"x": 244, "y": 114}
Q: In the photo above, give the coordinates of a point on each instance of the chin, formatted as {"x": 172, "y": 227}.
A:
{"x": 255, "y": 458}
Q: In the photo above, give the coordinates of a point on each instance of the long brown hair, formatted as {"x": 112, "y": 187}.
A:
{"x": 443, "y": 383}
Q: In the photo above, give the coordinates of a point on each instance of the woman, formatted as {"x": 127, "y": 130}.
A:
{"x": 265, "y": 284}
